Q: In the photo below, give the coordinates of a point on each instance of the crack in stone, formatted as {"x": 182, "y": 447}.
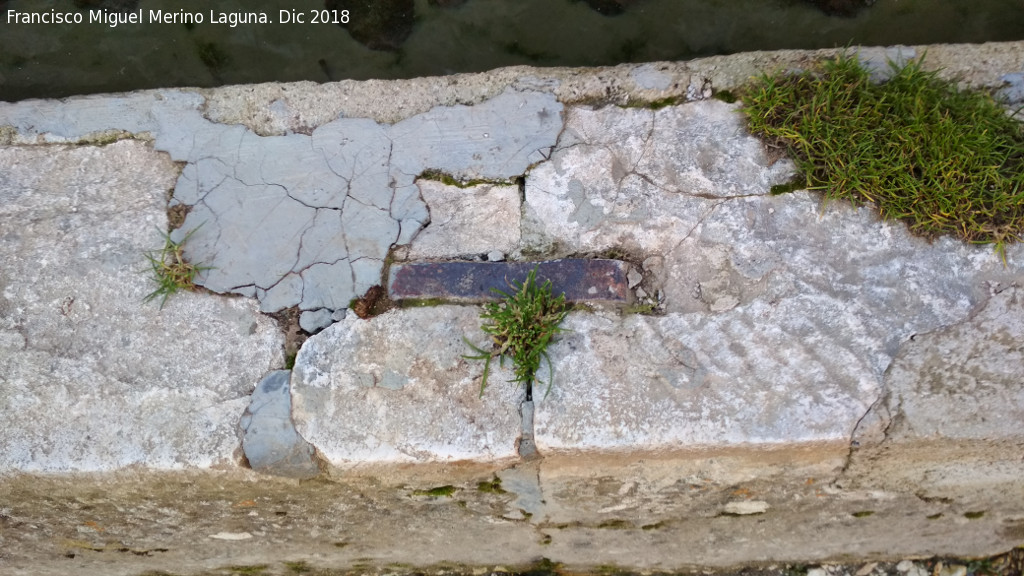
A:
{"x": 699, "y": 222}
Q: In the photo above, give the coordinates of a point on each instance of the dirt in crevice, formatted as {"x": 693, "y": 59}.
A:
{"x": 294, "y": 335}
{"x": 176, "y": 215}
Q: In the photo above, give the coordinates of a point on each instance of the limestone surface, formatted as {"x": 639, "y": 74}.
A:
{"x": 964, "y": 382}
{"x": 745, "y": 377}
{"x": 781, "y": 314}
{"x": 396, "y": 388}
{"x": 91, "y": 377}
{"x": 468, "y": 221}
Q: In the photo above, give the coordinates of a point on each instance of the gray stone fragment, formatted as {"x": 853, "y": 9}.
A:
{"x": 328, "y": 286}
{"x": 63, "y": 121}
{"x": 324, "y": 241}
{"x": 372, "y": 391}
{"x": 314, "y": 320}
{"x": 246, "y": 234}
{"x": 269, "y": 439}
{"x": 141, "y": 386}
{"x": 358, "y": 150}
{"x": 495, "y": 256}
{"x": 474, "y": 220}
{"x": 285, "y": 294}
{"x": 495, "y": 139}
{"x": 634, "y": 277}
{"x": 527, "y": 447}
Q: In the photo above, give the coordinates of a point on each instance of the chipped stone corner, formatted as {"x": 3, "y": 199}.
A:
{"x": 973, "y": 364}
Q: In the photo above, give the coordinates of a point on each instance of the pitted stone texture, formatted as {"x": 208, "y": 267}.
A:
{"x": 761, "y": 375}
{"x": 468, "y": 221}
{"x": 396, "y": 388}
{"x": 964, "y": 382}
{"x": 91, "y": 377}
{"x": 310, "y": 219}
{"x": 269, "y": 439}
{"x": 780, "y": 247}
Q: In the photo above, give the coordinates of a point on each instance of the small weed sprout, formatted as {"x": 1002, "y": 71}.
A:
{"x": 170, "y": 270}
{"x": 521, "y": 326}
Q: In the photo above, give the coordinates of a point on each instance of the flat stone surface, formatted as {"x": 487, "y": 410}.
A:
{"x": 91, "y": 377}
{"x": 467, "y": 221}
{"x": 269, "y": 440}
{"x": 745, "y": 377}
{"x": 396, "y": 388}
{"x": 640, "y": 179}
{"x": 596, "y": 280}
{"x": 778, "y": 318}
{"x": 313, "y": 320}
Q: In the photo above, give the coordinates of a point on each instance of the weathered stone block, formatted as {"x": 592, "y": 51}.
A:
{"x": 91, "y": 377}
{"x": 396, "y": 388}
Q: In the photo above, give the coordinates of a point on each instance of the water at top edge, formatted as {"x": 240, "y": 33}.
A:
{"x": 45, "y": 61}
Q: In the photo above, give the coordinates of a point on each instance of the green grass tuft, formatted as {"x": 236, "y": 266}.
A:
{"x": 943, "y": 160}
{"x": 521, "y": 326}
{"x": 171, "y": 271}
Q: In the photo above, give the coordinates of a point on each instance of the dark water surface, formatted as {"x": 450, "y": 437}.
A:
{"x": 428, "y": 38}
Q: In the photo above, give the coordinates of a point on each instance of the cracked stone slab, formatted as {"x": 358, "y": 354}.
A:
{"x": 269, "y": 439}
{"x": 591, "y": 280}
{"x": 468, "y": 221}
{"x": 265, "y": 210}
{"x": 137, "y": 385}
{"x": 639, "y": 179}
{"x": 317, "y": 236}
{"x": 374, "y": 391}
